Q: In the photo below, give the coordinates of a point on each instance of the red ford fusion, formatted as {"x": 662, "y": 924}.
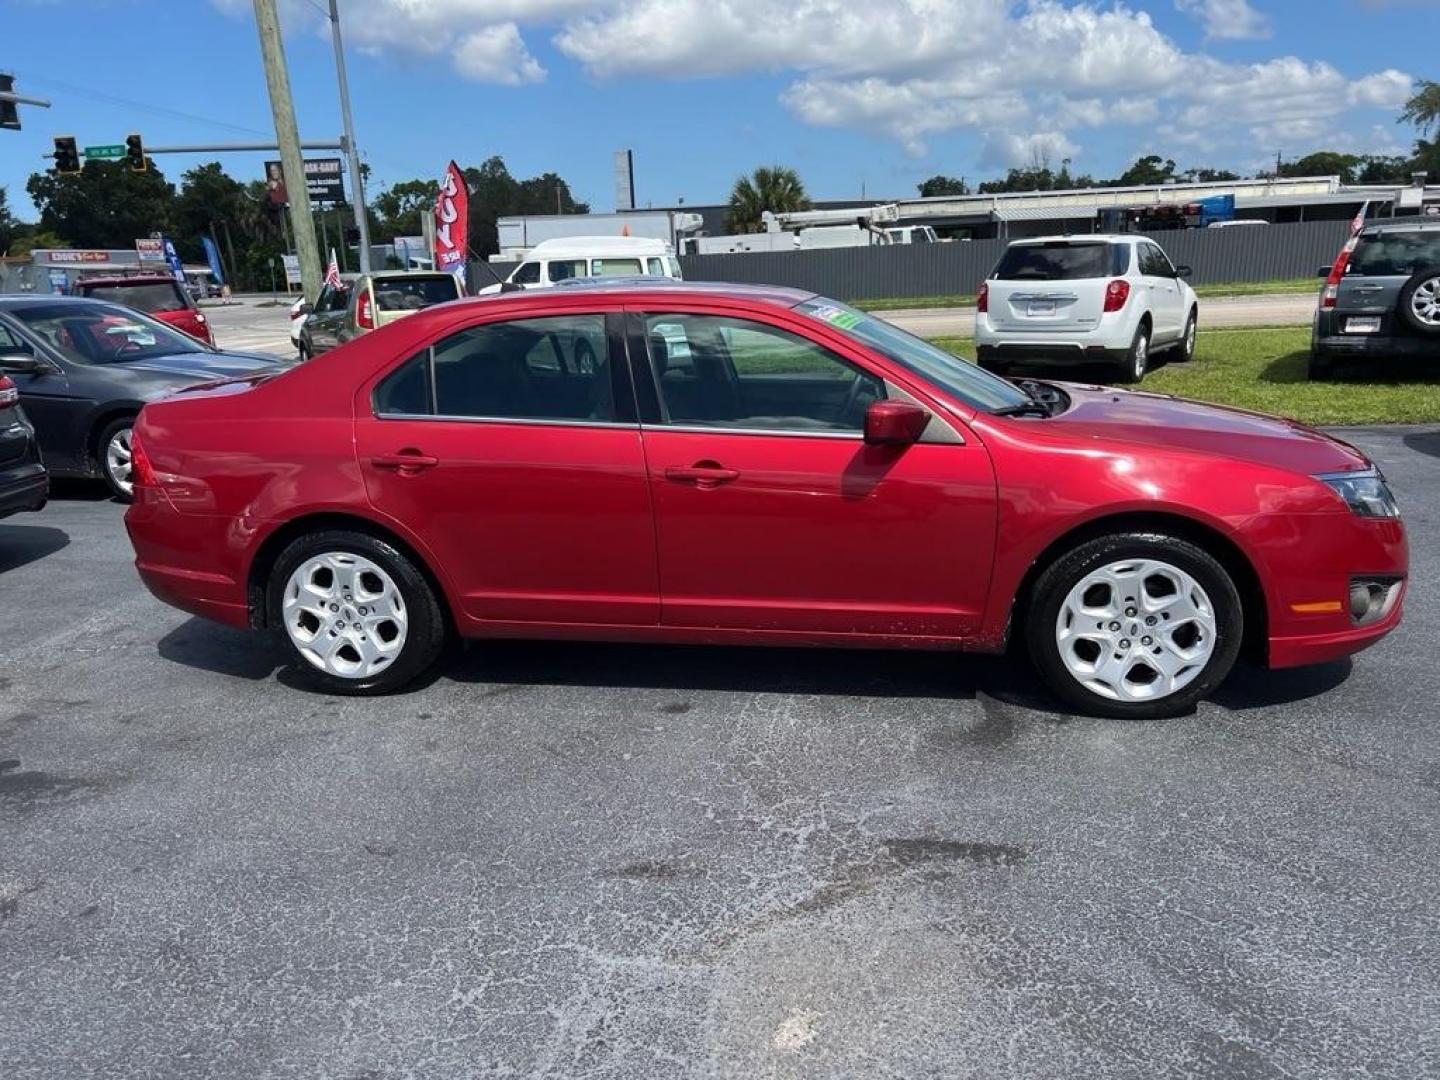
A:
{"x": 750, "y": 465}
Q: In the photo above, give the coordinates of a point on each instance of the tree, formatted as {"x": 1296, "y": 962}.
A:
{"x": 943, "y": 185}
{"x": 104, "y": 205}
{"x": 7, "y": 223}
{"x": 1423, "y": 109}
{"x": 776, "y": 188}
{"x": 1210, "y": 176}
{"x": 1324, "y": 163}
{"x": 1150, "y": 169}
{"x": 29, "y": 238}
{"x": 400, "y": 205}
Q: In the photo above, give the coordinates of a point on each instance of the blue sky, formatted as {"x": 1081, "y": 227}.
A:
{"x": 850, "y": 92}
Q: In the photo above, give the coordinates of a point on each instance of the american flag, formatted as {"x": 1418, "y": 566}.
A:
{"x": 1358, "y": 222}
{"x": 332, "y": 272}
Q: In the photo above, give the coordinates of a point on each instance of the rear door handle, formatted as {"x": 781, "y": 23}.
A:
{"x": 1368, "y": 288}
{"x": 703, "y": 474}
{"x": 405, "y": 461}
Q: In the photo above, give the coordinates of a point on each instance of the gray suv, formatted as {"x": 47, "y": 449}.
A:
{"x": 1382, "y": 296}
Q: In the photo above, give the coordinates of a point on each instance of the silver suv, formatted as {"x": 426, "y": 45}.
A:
{"x": 1382, "y": 296}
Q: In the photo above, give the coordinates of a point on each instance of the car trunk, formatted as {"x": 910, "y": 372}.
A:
{"x": 397, "y": 297}
{"x": 1050, "y": 287}
{"x": 1381, "y": 264}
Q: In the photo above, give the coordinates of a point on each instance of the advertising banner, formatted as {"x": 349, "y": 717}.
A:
{"x": 452, "y": 222}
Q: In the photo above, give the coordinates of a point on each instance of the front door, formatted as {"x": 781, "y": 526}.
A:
{"x": 773, "y": 514}
{"x": 48, "y": 402}
{"x": 1166, "y": 301}
{"x": 513, "y": 450}
{"x": 325, "y": 323}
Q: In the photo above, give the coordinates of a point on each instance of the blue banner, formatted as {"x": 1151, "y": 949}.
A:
{"x": 172, "y": 257}
{"x": 212, "y": 256}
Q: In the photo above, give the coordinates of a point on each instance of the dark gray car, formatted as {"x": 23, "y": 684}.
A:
{"x": 1386, "y": 300}
{"x": 84, "y": 369}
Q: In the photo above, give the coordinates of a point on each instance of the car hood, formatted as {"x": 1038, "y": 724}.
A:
{"x": 205, "y": 365}
{"x": 1148, "y": 419}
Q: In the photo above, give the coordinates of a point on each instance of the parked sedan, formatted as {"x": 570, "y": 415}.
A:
{"x": 24, "y": 484}
{"x": 752, "y": 465}
{"x": 84, "y": 369}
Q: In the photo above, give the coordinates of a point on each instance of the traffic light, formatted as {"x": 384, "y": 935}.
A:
{"x": 9, "y": 114}
{"x": 134, "y": 153}
{"x": 67, "y": 154}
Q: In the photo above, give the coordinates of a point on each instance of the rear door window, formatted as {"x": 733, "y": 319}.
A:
{"x": 414, "y": 293}
{"x": 1395, "y": 254}
{"x": 150, "y": 298}
{"x": 1056, "y": 262}
{"x": 615, "y": 267}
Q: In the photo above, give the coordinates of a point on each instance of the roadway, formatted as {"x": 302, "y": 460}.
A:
{"x": 257, "y": 324}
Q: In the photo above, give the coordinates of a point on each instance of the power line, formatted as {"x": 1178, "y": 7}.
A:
{"x": 158, "y": 110}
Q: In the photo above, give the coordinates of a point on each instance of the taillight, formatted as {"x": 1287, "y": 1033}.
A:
{"x": 8, "y": 394}
{"x": 1116, "y": 293}
{"x": 982, "y": 300}
{"x": 1337, "y": 273}
{"x": 363, "y": 318}
{"x": 142, "y": 473}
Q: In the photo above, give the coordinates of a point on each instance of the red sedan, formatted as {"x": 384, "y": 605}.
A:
{"x": 751, "y": 466}
{"x": 157, "y": 295}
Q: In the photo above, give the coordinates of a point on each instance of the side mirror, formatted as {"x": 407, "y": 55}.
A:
{"x": 307, "y": 308}
{"x": 894, "y": 423}
{"x": 19, "y": 360}
{"x": 1323, "y": 272}
{"x": 1183, "y": 271}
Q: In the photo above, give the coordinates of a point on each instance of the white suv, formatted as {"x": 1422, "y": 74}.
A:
{"x": 1081, "y": 299}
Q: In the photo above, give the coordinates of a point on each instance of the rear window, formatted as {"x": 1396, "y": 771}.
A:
{"x": 412, "y": 294}
{"x": 1062, "y": 262}
{"x": 1395, "y": 254}
{"x": 615, "y": 267}
{"x": 149, "y": 298}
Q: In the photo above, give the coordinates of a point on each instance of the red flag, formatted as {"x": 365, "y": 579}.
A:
{"x": 452, "y": 221}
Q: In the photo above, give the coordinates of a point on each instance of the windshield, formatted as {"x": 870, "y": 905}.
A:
{"x": 97, "y": 333}
{"x": 960, "y": 379}
{"x": 412, "y": 294}
{"x": 156, "y": 296}
{"x": 1059, "y": 262}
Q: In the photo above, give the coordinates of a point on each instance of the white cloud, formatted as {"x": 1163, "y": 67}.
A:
{"x": 1227, "y": 19}
{"x": 1012, "y": 150}
{"x": 1020, "y": 76}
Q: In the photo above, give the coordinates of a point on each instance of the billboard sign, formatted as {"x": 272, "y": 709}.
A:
{"x": 150, "y": 251}
{"x": 292, "y": 269}
{"x": 324, "y": 180}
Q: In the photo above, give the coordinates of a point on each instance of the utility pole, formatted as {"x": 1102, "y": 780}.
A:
{"x": 277, "y": 80}
{"x": 357, "y": 182}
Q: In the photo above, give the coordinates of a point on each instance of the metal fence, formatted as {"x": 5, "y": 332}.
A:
{"x": 1253, "y": 253}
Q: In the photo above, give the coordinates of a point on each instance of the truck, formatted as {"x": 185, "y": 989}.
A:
{"x": 1153, "y": 217}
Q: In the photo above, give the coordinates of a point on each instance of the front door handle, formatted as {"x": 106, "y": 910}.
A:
{"x": 406, "y": 462}
{"x": 703, "y": 474}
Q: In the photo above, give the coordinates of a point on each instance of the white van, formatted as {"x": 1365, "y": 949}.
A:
{"x": 553, "y": 261}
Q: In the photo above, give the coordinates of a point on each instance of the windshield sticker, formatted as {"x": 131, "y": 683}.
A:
{"x": 837, "y": 316}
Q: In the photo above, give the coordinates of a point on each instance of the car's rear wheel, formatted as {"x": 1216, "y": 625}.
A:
{"x": 1136, "y": 625}
{"x": 1420, "y": 301}
{"x": 357, "y": 615}
{"x": 1137, "y": 360}
{"x": 305, "y": 354}
{"x": 116, "y": 458}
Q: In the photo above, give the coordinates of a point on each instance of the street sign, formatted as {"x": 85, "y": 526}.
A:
{"x": 292, "y": 269}
{"x": 114, "y": 150}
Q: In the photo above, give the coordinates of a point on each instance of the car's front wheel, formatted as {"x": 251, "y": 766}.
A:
{"x": 1135, "y": 625}
{"x": 357, "y": 615}
{"x": 1187, "y": 340}
{"x": 116, "y": 458}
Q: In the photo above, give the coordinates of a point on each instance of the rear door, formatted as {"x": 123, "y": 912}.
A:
{"x": 1052, "y": 286}
{"x": 325, "y": 323}
{"x": 512, "y": 448}
{"x": 1382, "y": 262}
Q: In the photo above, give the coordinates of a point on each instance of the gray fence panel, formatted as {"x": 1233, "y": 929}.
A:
{"x": 1243, "y": 253}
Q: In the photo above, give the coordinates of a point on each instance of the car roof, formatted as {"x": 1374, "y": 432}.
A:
{"x": 19, "y": 300}
{"x": 1406, "y": 224}
{"x": 598, "y": 245}
{"x": 1079, "y": 238}
{"x": 668, "y": 288}
{"x": 112, "y": 280}
{"x": 398, "y": 275}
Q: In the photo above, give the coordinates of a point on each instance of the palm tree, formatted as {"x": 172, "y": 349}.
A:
{"x": 777, "y": 189}
{"x": 1423, "y": 108}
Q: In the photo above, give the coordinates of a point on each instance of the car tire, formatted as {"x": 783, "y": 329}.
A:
{"x": 1419, "y": 303}
{"x": 1319, "y": 367}
{"x": 1094, "y": 640}
{"x": 341, "y": 600}
{"x": 1137, "y": 357}
{"x": 305, "y": 354}
{"x": 1185, "y": 351}
{"x": 112, "y": 453}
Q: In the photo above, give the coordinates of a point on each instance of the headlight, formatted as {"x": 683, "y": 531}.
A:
{"x": 1364, "y": 491}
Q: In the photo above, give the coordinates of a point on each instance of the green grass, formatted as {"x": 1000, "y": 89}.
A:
{"x": 1233, "y": 288}
{"x": 1265, "y": 370}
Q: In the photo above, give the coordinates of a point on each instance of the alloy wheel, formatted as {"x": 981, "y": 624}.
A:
{"x": 119, "y": 461}
{"x": 1142, "y": 355}
{"x": 1136, "y": 630}
{"x": 345, "y": 615}
{"x": 1425, "y": 301}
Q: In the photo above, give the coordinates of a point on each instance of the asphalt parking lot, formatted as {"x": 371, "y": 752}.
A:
{"x": 597, "y": 861}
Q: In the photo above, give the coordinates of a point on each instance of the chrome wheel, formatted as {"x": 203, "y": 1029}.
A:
{"x": 1141, "y": 355}
{"x": 118, "y": 461}
{"x": 1425, "y": 301}
{"x": 1136, "y": 630}
{"x": 345, "y": 615}
{"x": 1190, "y": 340}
